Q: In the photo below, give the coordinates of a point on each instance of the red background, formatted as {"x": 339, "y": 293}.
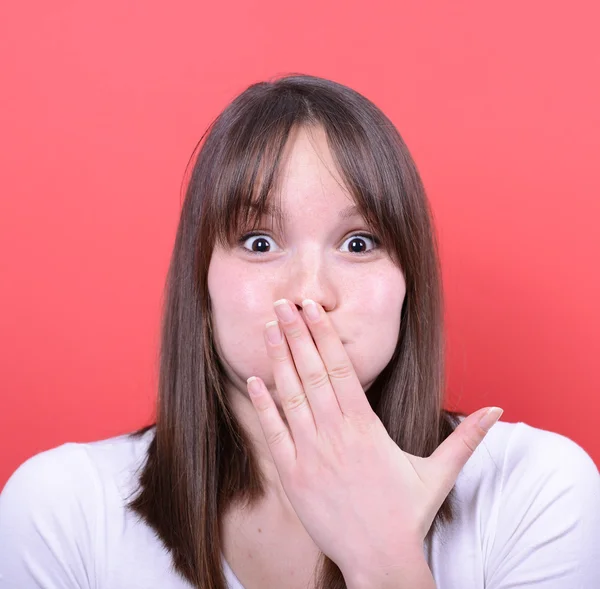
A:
{"x": 102, "y": 104}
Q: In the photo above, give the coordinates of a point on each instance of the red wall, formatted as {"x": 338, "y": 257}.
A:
{"x": 102, "y": 104}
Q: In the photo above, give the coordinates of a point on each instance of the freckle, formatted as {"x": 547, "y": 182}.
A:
{"x": 259, "y": 530}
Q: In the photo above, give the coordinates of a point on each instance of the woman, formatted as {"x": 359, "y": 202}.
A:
{"x": 305, "y": 453}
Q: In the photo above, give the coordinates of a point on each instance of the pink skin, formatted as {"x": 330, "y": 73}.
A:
{"x": 365, "y": 502}
{"x": 361, "y": 293}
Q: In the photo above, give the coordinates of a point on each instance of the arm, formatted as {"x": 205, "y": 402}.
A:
{"x": 44, "y": 534}
{"x": 548, "y": 521}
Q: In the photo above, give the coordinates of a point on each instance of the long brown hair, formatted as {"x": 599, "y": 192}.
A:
{"x": 199, "y": 459}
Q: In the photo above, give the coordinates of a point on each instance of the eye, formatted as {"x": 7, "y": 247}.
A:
{"x": 257, "y": 244}
{"x": 356, "y": 240}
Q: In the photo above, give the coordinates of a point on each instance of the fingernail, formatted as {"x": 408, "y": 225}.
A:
{"x": 491, "y": 416}
{"x": 274, "y": 333}
{"x": 253, "y": 385}
{"x": 310, "y": 309}
{"x": 283, "y": 310}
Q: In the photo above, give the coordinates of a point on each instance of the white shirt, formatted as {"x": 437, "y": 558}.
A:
{"x": 528, "y": 517}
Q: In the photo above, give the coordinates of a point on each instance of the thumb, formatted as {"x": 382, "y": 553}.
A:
{"x": 453, "y": 453}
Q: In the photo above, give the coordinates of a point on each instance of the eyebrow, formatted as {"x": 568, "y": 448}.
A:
{"x": 272, "y": 209}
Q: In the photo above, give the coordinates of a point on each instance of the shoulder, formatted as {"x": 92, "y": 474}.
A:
{"x": 47, "y": 483}
{"x": 76, "y": 470}
{"x": 538, "y": 500}
{"x": 524, "y": 457}
{"x": 518, "y": 451}
{"x": 56, "y": 505}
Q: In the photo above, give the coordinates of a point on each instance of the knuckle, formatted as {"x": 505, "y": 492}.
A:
{"x": 316, "y": 380}
{"x": 294, "y": 332}
{"x": 263, "y": 405}
{"x": 340, "y": 372}
{"x": 281, "y": 358}
{"x": 366, "y": 423}
{"x": 277, "y": 437}
{"x": 296, "y": 402}
{"x": 481, "y": 433}
{"x": 470, "y": 443}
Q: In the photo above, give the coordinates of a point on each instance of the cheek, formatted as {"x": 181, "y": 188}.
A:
{"x": 239, "y": 314}
{"x": 378, "y": 301}
{"x": 237, "y": 300}
{"x": 241, "y": 308}
{"x": 377, "y": 325}
{"x": 386, "y": 296}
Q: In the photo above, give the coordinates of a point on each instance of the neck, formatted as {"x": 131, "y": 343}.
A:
{"x": 244, "y": 412}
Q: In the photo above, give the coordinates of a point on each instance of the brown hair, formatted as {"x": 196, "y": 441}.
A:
{"x": 200, "y": 459}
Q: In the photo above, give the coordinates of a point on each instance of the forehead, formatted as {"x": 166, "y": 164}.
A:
{"x": 297, "y": 179}
{"x": 308, "y": 179}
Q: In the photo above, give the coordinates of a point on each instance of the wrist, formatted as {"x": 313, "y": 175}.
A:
{"x": 412, "y": 573}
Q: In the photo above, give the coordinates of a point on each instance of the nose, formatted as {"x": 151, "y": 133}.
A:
{"x": 309, "y": 278}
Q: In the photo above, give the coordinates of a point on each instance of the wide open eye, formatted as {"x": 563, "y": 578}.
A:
{"x": 357, "y": 240}
{"x": 257, "y": 241}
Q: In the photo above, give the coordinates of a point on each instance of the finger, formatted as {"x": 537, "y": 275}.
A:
{"x": 345, "y": 383}
{"x": 309, "y": 365}
{"x": 276, "y": 432}
{"x": 453, "y": 453}
{"x": 294, "y": 401}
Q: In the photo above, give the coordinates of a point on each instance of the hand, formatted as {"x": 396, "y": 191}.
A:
{"x": 364, "y": 501}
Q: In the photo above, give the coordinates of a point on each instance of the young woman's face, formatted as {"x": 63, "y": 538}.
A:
{"x": 317, "y": 256}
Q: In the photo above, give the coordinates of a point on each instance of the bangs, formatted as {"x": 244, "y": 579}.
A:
{"x": 248, "y": 182}
{"x": 246, "y": 166}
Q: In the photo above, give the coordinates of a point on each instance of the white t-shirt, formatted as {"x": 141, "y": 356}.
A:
{"x": 528, "y": 517}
